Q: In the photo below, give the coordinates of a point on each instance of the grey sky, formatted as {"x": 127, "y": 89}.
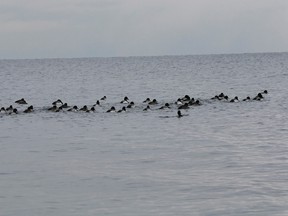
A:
{"x": 88, "y": 28}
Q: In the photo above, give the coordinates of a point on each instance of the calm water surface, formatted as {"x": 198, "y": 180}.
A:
{"x": 220, "y": 159}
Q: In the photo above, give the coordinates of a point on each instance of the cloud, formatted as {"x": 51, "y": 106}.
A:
{"x": 129, "y": 27}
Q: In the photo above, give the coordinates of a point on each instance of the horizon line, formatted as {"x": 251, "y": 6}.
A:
{"x": 145, "y": 56}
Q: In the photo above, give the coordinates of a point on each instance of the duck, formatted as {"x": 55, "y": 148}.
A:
{"x": 91, "y": 110}
{"x": 179, "y": 114}
{"x": 65, "y": 105}
{"x": 57, "y": 102}
{"x": 74, "y": 108}
{"x": 247, "y": 99}
{"x": 184, "y": 106}
{"x": 258, "y": 97}
{"x": 192, "y": 100}
{"x": 112, "y": 109}
{"x": 226, "y": 97}
{"x": 147, "y": 108}
{"x": 97, "y": 103}
{"x": 147, "y": 100}
{"x": 29, "y": 109}
{"x": 53, "y": 108}
{"x": 167, "y": 105}
{"x": 235, "y": 99}
{"x": 58, "y": 109}
{"x": 221, "y": 95}
{"x": 126, "y": 100}
{"x": 10, "y": 108}
{"x": 215, "y": 97}
{"x": 195, "y": 103}
{"x": 103, "y": 98}
{"x": 122, "y": 110}
{"x": 131, "y": 104}
{"x": 153, "y": 102}
{"x": 84, "y": 108}
{"x": 186, "y": 98}
{"x": 13, "y": 111}
{"x": 179, "y": 101}
{"x": 21, "y": 101}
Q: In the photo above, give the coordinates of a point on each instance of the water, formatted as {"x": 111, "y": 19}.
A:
{"x": 221, "y": 159}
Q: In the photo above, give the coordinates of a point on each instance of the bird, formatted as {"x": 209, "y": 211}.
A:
{"x": 126, "y": 100}
{"x": 84, "y": 108}
{"x": 57, "y": 102}
{"x": 165, "y": 106}
{"x": 147, "y": 108}
{"x": 21, "y": 101}
{"x": 112, "y": 109}
{"x": 147, "y": 100}
{"x": 154, "y": 101}
{"x": 122, "y": 110}
{"x": 184, "y": 106}
{"x": 29, "y": 109}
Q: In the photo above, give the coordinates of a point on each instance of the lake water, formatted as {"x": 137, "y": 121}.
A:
{"x": 220, "y": 158}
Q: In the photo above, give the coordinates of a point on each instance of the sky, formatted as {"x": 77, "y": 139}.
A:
{"x": 109, "y": 28}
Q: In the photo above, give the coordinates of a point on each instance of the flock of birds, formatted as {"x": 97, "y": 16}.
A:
{"x": 150, "y": 104}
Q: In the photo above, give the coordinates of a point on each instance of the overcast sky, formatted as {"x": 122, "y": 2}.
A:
{"x": 102, "y": 28}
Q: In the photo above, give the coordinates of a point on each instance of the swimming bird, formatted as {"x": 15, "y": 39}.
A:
{"x": 221, "y": 95}
{"x": 84, "y": 108}
{"x": 91, "y": 110}
{"x": 65, "y": 105}
{"x": 131, "y": 104}
{"x": 247, "y": 99}
{"x": 186, "y": 98}
{"x": 226, "y": 97}
{"x": 147, "y": 108}
{"x": 10, "y": 108}
{"x": 122, "y": 110}
{"x": 153, "y": 102}
{"x": 57, "y": 102}
{"x": 184, "y": 106}
{"x": 179, "y": 101}
{"x": 191, "y": 102}
{"x": 258, "y": 97}
{"x": 29, "y": 109}
{"x": 147, "y": 100}
{"x": 179, "y": 114}
{"x": 74, "y": 108}
{"x": 53, "y": 108}
{"x": 21, "y": 101}
{"x": 97, "y": 103}
{"x": 112, "y": 109}
{"x": 14, "y": 111}
{"x": 195, "y": 103}
{"x": 165, "y": 106}
{"x": 215, "y": 97}
{"x": 58, "y": 109}
{"x": 103, "y": 98}
{"x": 235, "y": 99}
{"x": 126, "y": 100}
